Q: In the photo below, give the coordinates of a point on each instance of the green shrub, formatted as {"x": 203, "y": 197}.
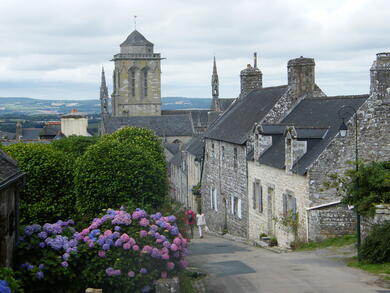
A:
{"x": 273, "y": 241}
{"x": 117, "y": 171}
{"x": 74, "y": 145}
{"x": 8, "y": 275}
{"x": 375, "y": 247}
{"x": 48, "y": 194}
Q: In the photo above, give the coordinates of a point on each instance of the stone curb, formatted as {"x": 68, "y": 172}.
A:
{"x": 256, "y": 243}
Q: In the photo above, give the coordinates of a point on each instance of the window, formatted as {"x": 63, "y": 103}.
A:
{"x": 213, "y": 199}
{"x": 235, "y": 206}
{"x": 235, "y": 163}
{"x": 289, "y": 205}
{"x": 212, "y": 150}
{"x": 223, "y": 152}
{"x": 257, "y": 196}
{"x": 145, "y": 85}
{"x": 132, "y": 82}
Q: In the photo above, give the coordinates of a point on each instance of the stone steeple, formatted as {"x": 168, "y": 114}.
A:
{"x": 137, "y": 78}
{"x": 103, "y": 95}
{"x": 215, "y": 106}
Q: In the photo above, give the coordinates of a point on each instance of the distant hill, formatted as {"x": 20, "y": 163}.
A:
{"x": 31, "y": 106}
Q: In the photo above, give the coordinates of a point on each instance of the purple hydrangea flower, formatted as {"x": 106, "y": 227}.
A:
{"x": 42, "y": 244}
{"x": 65, "y": 264}
{"x": 39, "y": 275}
{"x": 117, "y": 228}
{"x": 146, "y": 289}
{"x": 28, "y": 230}
{"x": 41, "y": 266}
{"x": 131, "y": 274}
{"x": 171, "y": 219}
{"x": 36, "y": 228}
{"x": 42, "y": 235}
{"x": 155, "y": 253}
{"x": 65, "y": 256}
{"x": 144, "y": 222}
{"x": 143, "y": 233}
{"x": 106, "y": 246}
{"x": 143, "y": 271}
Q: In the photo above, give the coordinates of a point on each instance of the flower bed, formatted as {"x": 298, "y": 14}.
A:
{"x": 118, "y": 252}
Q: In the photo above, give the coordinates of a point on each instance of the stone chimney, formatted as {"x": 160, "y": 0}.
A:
{"x": 74, "y": 123}
{"x": 19, "y": 130}
{"x": 380, "y": 76}
{"x": 301, "y": 76}
{"x": 251, "y": 78}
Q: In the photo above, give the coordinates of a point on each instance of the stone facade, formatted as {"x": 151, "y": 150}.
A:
{"x": 382, "y": 214}
{"x": 266, "y": 188}
{"x": 224, "y": 187}
{"x": 137, "y": 79}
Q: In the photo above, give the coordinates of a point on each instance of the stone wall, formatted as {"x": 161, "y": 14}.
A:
{"x": 193, "y": 174}
{"x": 269, "y": 221}
{"x": 229, "y": 181}
{"x": 330, "y": 221}
{"x": 382, "y": 214}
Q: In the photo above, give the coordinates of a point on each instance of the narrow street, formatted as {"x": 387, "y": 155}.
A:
{"x": 235, "y": 267}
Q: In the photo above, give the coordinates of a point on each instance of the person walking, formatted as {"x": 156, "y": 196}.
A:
{"x": 201, "y": 223}
{"x": 191, "y": 220}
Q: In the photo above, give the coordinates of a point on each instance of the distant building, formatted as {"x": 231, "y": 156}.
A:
{"x": 74, "y": 123}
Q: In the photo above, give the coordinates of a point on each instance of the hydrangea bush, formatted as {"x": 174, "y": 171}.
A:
{"x": 118, "y": 252}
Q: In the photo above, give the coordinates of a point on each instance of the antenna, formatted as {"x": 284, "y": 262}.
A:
{"x": 135, "y": 22}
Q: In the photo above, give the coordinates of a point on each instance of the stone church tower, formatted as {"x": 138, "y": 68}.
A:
{"x": 137, "y": 78}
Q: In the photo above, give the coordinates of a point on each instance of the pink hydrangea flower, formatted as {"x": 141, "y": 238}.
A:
{"x": 107, "y": 233}
{"x": 174, "y": 247}
{"x": 135, "y": 247}
{"x": 143, "y": 233}
{"x": 165, "y": 256}
{"x": 124, "y": 237}
{"x": 144, "y": 222}
{"x": 131, "y": 274}
{"x": 147, "y": 249}
{"x": 102, "y": 253}
{"x": 177, "y": 241}
{"x": 170, "y": 265}
{"x": 126, "y": 246}
{"x": 183, "y": 263}
{"x": 131, "y": 241}
{"x": 164, "y": 275}
{"x": 85, "y": 232}
{"x": 159, "y": 240}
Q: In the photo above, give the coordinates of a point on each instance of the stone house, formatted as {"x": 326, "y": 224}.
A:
{"x": 292, "y": 159}
{"x": 11, "y": 180}
{"x": 225, "y": 174}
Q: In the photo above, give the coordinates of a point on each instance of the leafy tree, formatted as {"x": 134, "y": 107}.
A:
{"x": 368, "y": 186}
{"x": 75, "y": 145}
{"x": 125, "y": 168}
{"x": 48, "y": 194}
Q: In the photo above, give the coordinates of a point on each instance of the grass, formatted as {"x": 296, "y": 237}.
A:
{"x": 186, "y": 283}
{"x": 378, "y": 269}
{"x": 330, "y": 242}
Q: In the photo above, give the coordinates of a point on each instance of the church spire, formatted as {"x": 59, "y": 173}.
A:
{"x": 103, "y": 95}
{"x": 215, "y": 89}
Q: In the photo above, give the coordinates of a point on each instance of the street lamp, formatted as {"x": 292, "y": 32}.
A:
{"x": 343, "y": 132}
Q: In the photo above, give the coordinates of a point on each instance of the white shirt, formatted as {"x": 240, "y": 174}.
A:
{"x": 200, "y": 220}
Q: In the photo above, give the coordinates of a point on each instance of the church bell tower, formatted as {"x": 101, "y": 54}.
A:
{"x": 136, "y": 78}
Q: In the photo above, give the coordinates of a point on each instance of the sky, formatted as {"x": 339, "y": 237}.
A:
{"x": 54, "y": 49}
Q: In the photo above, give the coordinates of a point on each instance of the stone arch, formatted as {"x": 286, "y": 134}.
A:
{"x": 132, "y": 72}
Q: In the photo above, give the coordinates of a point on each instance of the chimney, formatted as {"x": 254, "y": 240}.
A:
{"x": 294, "y": 148}
{"x": 251, "y": 78}
{"x": 19, "y": 130}
{"x": 380, "y": 76}
{"x": 301, "y": 76}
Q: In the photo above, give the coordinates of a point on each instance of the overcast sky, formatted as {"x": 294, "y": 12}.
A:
{"x": 55, "y": 48}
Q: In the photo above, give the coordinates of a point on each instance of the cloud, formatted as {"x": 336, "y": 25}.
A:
{"x": 65, "y": 42}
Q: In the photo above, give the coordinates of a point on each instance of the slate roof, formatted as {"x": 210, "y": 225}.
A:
{"x": 169, "y": 125}
{"x": 136, "y": 39}
{"x": 235, "y": 124}
{"x": 195, "y": 146}
{"x": 9, "y": 171}
{"x": 319, "y": 122}
{"x": 177, "y": 159}
{"x": 199, "y": 117}
{"x": 50, "y": 130}
{"x": 225, "y": 103}
{"x": 31, "y": 133}
{"x": 173, "y": 148}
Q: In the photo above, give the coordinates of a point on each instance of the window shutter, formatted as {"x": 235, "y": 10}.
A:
{"x": 216, "y": 200}
{"x": 284, "y": 204}
{"x": 211, "y": 198}
{"x": 239, "y": 208}
{"x": 261, "y": 199}
{"x": 254, "y": 195}
{"x": 232, "y": 205}
{"x": 294, "y": 207}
